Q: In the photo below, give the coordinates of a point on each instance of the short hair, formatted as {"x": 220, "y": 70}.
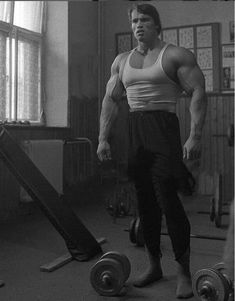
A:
{"x": 149, "y": 10}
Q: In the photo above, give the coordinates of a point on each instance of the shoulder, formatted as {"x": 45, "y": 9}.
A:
{"x": 180, "y": 55}
{"x": 119, "y": 61}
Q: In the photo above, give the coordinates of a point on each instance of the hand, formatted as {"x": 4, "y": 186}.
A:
{"x": 192, "y": 148}
{"x": 103, "y": 151}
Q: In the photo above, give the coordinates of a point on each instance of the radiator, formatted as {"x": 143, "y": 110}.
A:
{"x": 47, "y": 155}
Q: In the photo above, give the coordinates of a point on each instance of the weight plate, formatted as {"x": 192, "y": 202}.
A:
{"x": 218, "y": 200}
{"x": 215, "y": 286}
{"x": 139, "y": 233}
{"x": 107, "y": 277}
{"x": 123, "y": 259}
{"x": 132, "y": 231}
{"x": 220, "y": 267}
{"x": 212, "y": 210}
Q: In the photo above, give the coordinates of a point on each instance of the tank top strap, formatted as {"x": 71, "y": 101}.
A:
{"x": 126, "y": 62}
{"x": 162, "y": 52}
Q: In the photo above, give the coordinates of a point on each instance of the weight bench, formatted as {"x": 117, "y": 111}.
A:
{"x": 80, "y": 242}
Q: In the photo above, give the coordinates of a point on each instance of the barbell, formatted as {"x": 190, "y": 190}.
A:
{"x": 109, "y": 274}
{"x": 213, "y": 284}
{"x": 136, "y": 233}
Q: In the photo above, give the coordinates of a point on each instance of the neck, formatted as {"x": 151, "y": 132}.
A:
{"x": 145, "y": 47}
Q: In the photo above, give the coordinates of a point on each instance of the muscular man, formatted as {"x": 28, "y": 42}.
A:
{"x": 154, "y": 74}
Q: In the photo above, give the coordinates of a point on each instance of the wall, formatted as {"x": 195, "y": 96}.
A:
{"x": 83, "y": 49}
{"x": 83, "y": 69}
{"x": 56, "y": 64}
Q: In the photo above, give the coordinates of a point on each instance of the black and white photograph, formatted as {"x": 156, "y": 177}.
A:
{"x": 117, "y": 150}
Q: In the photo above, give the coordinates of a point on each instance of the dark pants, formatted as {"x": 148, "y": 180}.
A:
{"x": 156, "y": 167}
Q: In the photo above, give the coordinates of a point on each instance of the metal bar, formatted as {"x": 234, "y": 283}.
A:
{"x": 80, "y": 242}
{"x": 194, "y": 236}
{"x": 79, "y": 140}
{"x": 202, "y": 236}
{"x": 207, "y": 212}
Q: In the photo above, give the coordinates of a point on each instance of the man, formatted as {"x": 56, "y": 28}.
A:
{"x": 154, "y": 75}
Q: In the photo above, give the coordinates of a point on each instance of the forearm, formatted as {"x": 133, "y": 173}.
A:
{"x": 108, "y": 115}
{"x": 198, "y": 107}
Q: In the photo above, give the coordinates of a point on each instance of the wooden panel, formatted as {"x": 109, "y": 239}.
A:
{"x": 216, "y": 154}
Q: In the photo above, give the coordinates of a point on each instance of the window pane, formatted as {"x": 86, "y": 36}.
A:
{"x": 29, "y": 84}
{"x": 5, "y": 8}
{"x": 28, "y": 14}
{"x": 3, "y": 75}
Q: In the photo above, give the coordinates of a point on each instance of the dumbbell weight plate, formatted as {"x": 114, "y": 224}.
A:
{"x": 222, "y": 269}
{"x": 219, "y": 267}
{"x": 132, "y": 231}
{"x": 213, "y": 279}
{"x": 122, "y": 259}
{"x": 111, "y": 269}
{"x": 139, "y": 233}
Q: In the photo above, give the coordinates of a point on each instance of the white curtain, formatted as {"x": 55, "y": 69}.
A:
{"x": 5, "y": 7}
{"x": 29, "y": 76}
{"x": 28, "y": 14}
{"x": 3, "y": 78}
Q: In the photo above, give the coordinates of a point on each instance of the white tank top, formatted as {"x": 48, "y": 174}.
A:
{"x": 149, "y": 85}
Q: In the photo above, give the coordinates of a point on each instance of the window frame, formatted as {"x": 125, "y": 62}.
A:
{"x": 16, "y": 32}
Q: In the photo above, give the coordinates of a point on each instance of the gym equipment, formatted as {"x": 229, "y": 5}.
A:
{"x": 121, "y": 197}
{"x": 132, "y": 235}
{"x": 62, "y": 260}
{"x": 212, "y": 284}
{"x": 120, "y": 200}
{"x": 216, "y": 204}
{"x": 110, "y": 273}
{"x": 122, "y": 258}
{"x": 79, "y": 241}
{"x": 230, "y": 135}
{"x": 136, "y": 233}
{"x": 218, "y": 200}
{"x": 139, "y": 233}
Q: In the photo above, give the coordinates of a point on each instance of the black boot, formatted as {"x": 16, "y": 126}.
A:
{"x": 184, "y": 282}
{"x": 153, "y": 272}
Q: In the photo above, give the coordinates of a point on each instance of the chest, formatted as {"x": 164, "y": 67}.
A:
{"x": 140, "y": 61}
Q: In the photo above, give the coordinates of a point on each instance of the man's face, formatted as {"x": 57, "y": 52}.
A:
{"x": 143, "y": 26}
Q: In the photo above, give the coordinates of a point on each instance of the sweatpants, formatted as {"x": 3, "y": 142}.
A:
{"x": 155, "y": 165}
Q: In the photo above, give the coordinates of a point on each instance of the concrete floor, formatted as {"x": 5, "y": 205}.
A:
{"x": 30, "y": 241}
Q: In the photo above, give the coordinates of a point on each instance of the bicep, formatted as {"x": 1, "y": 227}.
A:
{"x": 114, "y": 87}
{"x": 190, "y": 76}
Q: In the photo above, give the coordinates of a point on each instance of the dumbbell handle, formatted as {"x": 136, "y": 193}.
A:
{"x": 107, "y": 279}
{"x": 206, "y": 291}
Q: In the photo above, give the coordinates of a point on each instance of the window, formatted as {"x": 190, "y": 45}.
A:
{"x": 21, "y": 24}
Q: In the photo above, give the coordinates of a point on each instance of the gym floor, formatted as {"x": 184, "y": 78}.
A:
{"x": 29, "y": 241}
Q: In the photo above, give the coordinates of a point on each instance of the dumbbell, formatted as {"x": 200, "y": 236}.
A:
{"x": 109, "y": 274}
{"x": 136, "y": 232}
{"x": 212, "y": 284}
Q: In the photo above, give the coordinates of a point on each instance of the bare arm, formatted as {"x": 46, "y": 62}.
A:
{"x": 192, "y": 81}
{"x": 109, "y": 110}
